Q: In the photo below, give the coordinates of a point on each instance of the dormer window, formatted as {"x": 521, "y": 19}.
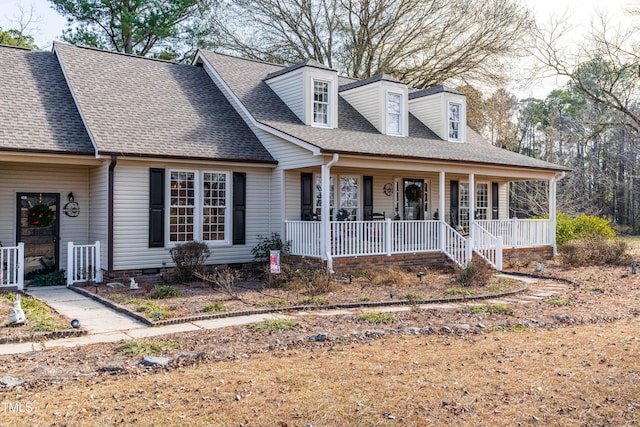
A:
{"x": 394, "y": 114}
{"x": 455, "y": 111}
{"x": 320, "y": 103}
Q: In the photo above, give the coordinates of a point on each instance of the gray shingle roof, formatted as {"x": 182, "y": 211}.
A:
{"x": 431, "y": 90}
{"x": 372, "y": 79}
{"x": 307, "y": 63}
{"x": 37, "y": 112}
{"x": 143, "y": 107}
{"x": 355, "y": 135}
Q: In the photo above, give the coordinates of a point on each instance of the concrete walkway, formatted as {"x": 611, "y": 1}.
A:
{"x": 106, "y": 325}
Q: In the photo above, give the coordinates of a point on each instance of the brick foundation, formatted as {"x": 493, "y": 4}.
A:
{"x": 522, "y": 257}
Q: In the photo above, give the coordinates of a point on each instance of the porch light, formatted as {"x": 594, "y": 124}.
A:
{"x": 70, "y": 197}
{"x": 419, "y": 275}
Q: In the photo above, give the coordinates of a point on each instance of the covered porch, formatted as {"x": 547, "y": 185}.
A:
{"x": 394, "y": 212}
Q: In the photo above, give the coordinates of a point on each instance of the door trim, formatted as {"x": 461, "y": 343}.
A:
{"x": 56, "y": 196}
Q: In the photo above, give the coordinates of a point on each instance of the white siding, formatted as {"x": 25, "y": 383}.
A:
{"x": 290, "y": 88}
{"x": 45, "y": 178}
{"x": 98, "y": 208}
{"x": 368, "y": 101}
{"x": 503, "y": 200}
{"x": 131, "y": 216}
{"x": 429, "y": 110}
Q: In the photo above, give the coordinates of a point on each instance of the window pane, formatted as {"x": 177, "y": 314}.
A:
{"x": 214, "y": 202}
{"x": 394, "y": 109}
{"x": 454, "y": 121}
{"x": 482, "y": 201}
{"x": 349, "y": 197}
{"x": 318, "y": 196}
{"x": 464, "y": 205}
{"x": 321, "y": 102}
{"x": 181, "y": 206}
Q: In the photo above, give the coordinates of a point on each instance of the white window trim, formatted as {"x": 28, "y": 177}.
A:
{"x": 330, "y": 102}
{"x": 401, "y": 113}
{"x": 459, "y": 104}
{"x": 199, "y": 207}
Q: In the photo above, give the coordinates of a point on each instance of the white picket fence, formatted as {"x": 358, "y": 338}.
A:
{"x": 12, "y": 266}
{"x": 83, "y": 263}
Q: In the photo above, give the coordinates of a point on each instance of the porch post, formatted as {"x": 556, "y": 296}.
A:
{"x": 441, "y": 208}
{"x": 552, "y": 214}
{"x": 325, "y": 235}
{"x": 472, "y": 216}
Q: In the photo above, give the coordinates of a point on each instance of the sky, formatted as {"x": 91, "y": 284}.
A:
{"x": 48, "y": 24}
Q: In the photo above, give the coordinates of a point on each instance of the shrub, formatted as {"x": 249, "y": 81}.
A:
{"x": 262, "y": 251}
{"x": 376, "y": 317}
{"x": 189, "y": 257}
{"x": 593, "y": 251}
{"x": 163, "y": 292}
{"x": 55, "y": 278}
{"x": 307, "y": 277}
{"x": 458, "y": 291}
{"x": 151, "y": 309}
{"x": 582, "y": 227}
{"x": 475, "y": 273}
{"x": 489, "y": 309}
{"x": 223, "y": 280}
{"x": 273, "y": 303}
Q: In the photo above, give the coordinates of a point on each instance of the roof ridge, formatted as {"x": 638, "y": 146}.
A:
{"x": 130, "y": 55}
{"x": 243, "y": 58}
{"x": 18, "y": 47}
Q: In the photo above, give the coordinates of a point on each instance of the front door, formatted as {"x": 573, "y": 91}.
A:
{"x": 37, "y": 228}
{"x": 413, "y": 198}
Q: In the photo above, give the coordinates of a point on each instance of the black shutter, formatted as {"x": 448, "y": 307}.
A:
{"x": 156, "y": 208}
{"x": 306, "y": 196}
{"x": 494, "y": 200}
{"x": 367, "y": 202}
{"x": 453, "y": 203}
{"x": 239, "y": 207}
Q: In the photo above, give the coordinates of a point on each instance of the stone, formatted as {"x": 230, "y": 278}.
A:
{"x": 481, "y": 326}
{"x": 539, "y": 268}
{"x": 463, "y": 327}
{"x": 374, "y": 333}
{"x": 446, "y": 330}
{"x": 321, "y": 336}
{"x": 562, "y": 318}
{"x": 10, "y": 381}
{"x": 154, "y": 361}
{"x": 111, "y": 369}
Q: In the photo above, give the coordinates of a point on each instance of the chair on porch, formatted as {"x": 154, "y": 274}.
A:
{"x": 377, "y": 216}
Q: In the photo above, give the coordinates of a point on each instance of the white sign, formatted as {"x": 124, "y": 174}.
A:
{"x": 274, "y": 260}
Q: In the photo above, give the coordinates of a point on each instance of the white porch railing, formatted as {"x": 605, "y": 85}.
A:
{"x": 361, "y": 238}
{"x": 456, "y": 247}
{"x": 304, "y": 237}
{"x": 519, "y": 233}
{"x": 487, "y": 245}
{"x": 83, "y": 263}
{"x": 12, "y": 266}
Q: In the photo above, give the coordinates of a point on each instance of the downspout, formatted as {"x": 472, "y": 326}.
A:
{"x": 325, "y": 224}
{"x": 552, "y": 209}
{"x": 110, "y": 190}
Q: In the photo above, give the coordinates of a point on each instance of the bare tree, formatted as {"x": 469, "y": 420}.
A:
{"x": 422, "y": 42}
{"x": 605, "y": 67}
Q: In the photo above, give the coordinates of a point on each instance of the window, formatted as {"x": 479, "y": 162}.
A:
{"x": 318, "y": 197}
{"x": 320, "y": 103}
{"x": 198, "y": 206}
{"x": 347, "y": 200}
{"x": 394, "y": 113}
{"x": 455, "y": 112}
{"x": 482, "y": 201}
{"x": 463, "y": 206}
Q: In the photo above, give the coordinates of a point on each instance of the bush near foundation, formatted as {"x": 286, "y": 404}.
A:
{"x": 594, "y": 251}
{"x": 582, "y": 227}
{"x": 189, "y": 257}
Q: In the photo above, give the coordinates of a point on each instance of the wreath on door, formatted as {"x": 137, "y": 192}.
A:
{"x": 40, "y": 215}
{"x": 413, "y": 193}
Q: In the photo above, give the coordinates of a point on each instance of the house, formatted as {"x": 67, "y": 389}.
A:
{"x": 108, "y": 160}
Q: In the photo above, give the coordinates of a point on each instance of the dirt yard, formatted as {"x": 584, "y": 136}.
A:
{"x": 569, "y": 359}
